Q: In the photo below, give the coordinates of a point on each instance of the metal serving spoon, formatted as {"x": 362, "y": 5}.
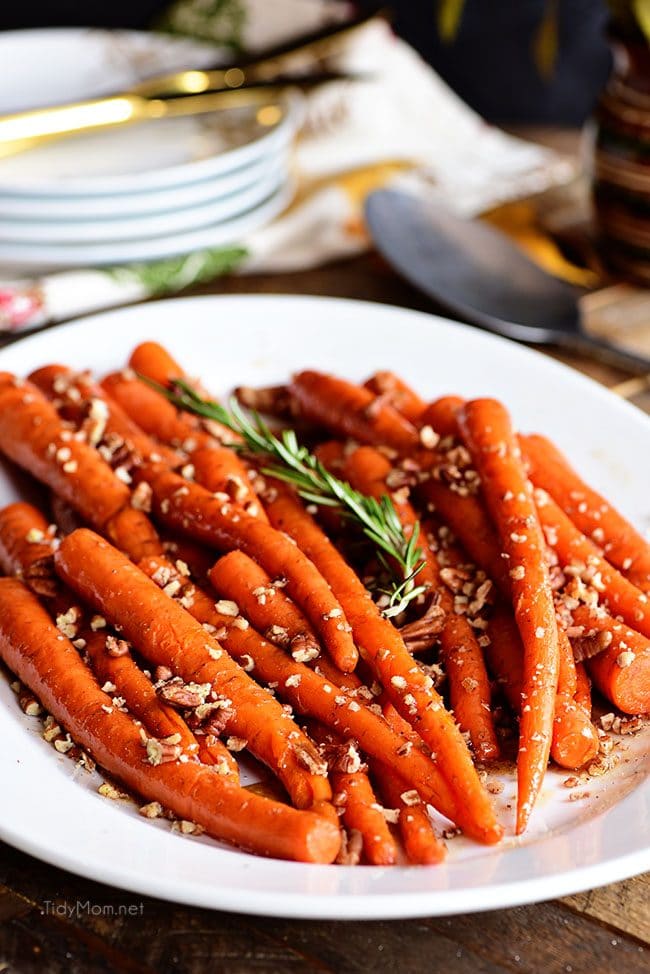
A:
{"x": 475, "y": 272}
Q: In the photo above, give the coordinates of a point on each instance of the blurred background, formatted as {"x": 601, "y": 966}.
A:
{"x": 538, "y": 61}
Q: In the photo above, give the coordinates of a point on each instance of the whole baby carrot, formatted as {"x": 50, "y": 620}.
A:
{"x": 220, "y": 470}
{"x": 168, "y": 636}
{"x": 395, "y": 391}
{"x": 354, "y": 797}
{"x": 33, "y": 435}
{"x": 488, "y": 434}
{"x": 346, "y": 409}
{"x": 48, "y": 663}
{"x": 620, "y": 542}
{"x": 237, "y": 577}
{"x": 621, "y": 670}
{"x": 582, "y": 557}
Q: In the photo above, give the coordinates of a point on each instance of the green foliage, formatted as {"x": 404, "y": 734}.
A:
{"x": 175, "y": 273}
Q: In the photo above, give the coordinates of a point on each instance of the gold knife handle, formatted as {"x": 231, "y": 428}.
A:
{"x": 27, "y": 129}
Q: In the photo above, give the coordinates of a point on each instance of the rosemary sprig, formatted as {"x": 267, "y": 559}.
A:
{"x": 295, "y": 465}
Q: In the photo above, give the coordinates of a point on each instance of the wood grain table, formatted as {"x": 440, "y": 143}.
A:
{"x": 55, "y": 922}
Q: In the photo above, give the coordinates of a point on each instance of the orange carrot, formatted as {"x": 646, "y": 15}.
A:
{"x": 421, "y": 844}
{"x": 398, "y": 394}
{"x": 220, "y": 470}
{"x": 620, "y": 542}
{"x": 198, "y": 558}
{"x": 442, "y": 415}
{"x": 27, "y": 547}
{"x": 349, "y": 410}
{"x": 237, "y": 577}
{"x": 155, "y": 414}
{"x": 128, "y": 682}
{"x": 168, "y": 636}
{"x": 368, "y": 470}
{"x": 33, "y": 436}
{"x": 354, "y": 797}
{"x": 153, "y": 361}
{"x": 49, "y": 665}
{"x": 131, "y": 531}
{"x": 312, "y": 693}
{"x": 574, "y": 741}
{"x": 488, "y": 434}
{"x": 409, "y": 688}
{"x": 621, "y": 671}
{"x": 583, "y": 688}
{"x": 581, "y": 557}
{"x": 469, "y": 522}
{"x": 80, "y": 400}
{"x": 189, "y": 508}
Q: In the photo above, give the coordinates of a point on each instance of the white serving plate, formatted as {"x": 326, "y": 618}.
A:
{"x": 37, "y": 233}
{"x": 52, "y": 811}
{"x": 49, "y": 66}
{"x": 38, "y": 256}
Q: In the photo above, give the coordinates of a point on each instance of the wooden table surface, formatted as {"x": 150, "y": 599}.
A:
{"x": 53, "y": 921}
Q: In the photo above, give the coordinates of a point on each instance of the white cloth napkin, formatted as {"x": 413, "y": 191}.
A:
{"x": 401, "y": 124}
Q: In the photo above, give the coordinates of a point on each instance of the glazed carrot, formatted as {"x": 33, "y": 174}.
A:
{"x": 470, "y": 693}
{"x": 409, "y": 688}
{"x": 442, "y": 415}
{"x": 158, "y": 417}
{"x": 198, "y": 558}
{"x": 367, "y": 470}
{"x": 313, "y": 694}
{"x": 131, "y": 531}
{"x": 349, "y": 410}
{"x": 354, "y": 797}
{"x": 488, "y": 434}
{"x": 129, "y": 683}
{"x": 574, "y": 739}
{"x": 237, "y": 577}
{"x": 189, "y": 508}
{"x": 154, "y": 361}
{"x": 220, "y": 470}
{"x": 421, "y": 844}
{"x": 398, "y": 394}
{"x": 168, "y": 636}
{"x": 620, "y": 542}
{"x": 583, "y": 558}
{"x": 583, "y": 688}
{"x": 50, "y": 666}
{"x": 34, "y": 436}
{"x": 469, "y": 522}
{"x": 621, "y": 671}
{"x": 83, "y": 402}
{"x": 27, "y": 547}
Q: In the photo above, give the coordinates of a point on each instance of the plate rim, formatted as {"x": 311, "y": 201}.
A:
{"x": 380, "y": 906}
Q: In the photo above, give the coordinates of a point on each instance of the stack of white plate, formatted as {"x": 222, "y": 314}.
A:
{"x": 141, "y": 192}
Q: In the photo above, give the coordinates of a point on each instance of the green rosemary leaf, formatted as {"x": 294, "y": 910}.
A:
{"x": 292, "y": 463}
